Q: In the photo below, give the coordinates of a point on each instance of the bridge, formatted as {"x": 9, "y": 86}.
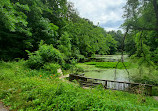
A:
{"x": 137, "y": 88}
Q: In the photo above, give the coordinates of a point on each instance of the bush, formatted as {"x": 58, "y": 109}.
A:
{"x": 66, "y": 66}
{"x": 51, "y": 67}
{"x": 80, "y": 58}
{"x": 45, "y": 54}
{"x": 35, "y": 61}
{"x": 50, "y": 54}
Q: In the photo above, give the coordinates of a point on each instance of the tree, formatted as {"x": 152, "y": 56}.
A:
{"x": 24, "y": 23}
{"x": 13, "y": 29}
{"x": 141, "y": 20}
{"x": 118, "y": 36}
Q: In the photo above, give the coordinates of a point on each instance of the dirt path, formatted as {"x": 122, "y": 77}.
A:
{"x": 3, "y": 108}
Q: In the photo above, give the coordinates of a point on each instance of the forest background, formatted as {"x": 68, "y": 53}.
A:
{"x": 24, "y": 23}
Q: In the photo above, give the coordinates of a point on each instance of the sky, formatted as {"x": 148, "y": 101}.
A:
{"x": 108, "y": 13}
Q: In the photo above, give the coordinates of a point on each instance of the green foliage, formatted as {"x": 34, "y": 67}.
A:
{"x": 27, "y": 22}
{"x": 66, "y": 66}
{"x": 142, "y": 38}
{"x": 87, "y": 39}
{"x": 118, "y": 36}
{"x": 45, "y": 54}
{"x": 109, "y": 64}
{"x": 111, "y": 43}
{"x": 35, "y": 61}
{"x": 155, "y": 90}
{"x": 22, "y": 92}
{"x": 73, "y": 67}
{"x": 65, "y": 44}
{"x": 148, "y": 79}
{"x": 13, "y": 24}
{"x": 50, "y": 54}
{"x": 51, "y": 67}
{"x": 22, "y": 23}
{"x": 145, "y": 74}
{"x": 11, "y": 17}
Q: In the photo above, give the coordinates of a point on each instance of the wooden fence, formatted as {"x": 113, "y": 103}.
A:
{"x": 114, "y": 85}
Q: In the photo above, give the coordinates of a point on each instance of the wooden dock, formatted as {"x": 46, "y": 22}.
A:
{"x": 137, "y": 88}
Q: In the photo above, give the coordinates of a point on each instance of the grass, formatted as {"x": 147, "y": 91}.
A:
{"x": 33, "y": 90}
{"x": 109, "y": 64}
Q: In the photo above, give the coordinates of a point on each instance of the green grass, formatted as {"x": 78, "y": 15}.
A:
{"x": 34, "y": 90}
{"x": 109, "y": 64}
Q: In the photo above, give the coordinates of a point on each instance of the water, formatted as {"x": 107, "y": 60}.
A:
{"x": 109, "y": 74}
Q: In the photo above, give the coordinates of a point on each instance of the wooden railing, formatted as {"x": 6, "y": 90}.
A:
{"x": 114, "y": 85}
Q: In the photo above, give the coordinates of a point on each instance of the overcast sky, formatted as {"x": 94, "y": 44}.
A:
{"x": 107, "y": 12}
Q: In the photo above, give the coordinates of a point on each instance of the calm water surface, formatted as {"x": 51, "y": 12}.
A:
{"x": 109, "y": 74}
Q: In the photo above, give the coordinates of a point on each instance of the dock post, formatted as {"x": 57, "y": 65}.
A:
{"x": 105, "y": 86}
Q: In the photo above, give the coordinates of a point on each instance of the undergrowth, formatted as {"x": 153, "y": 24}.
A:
{"x": 35, "y": 90}
{"x": 146, "y": 74}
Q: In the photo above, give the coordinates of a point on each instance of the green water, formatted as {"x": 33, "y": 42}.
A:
{"x": 107, "y": 74}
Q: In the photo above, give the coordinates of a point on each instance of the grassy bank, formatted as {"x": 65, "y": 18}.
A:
{"x": 32, "y": 90}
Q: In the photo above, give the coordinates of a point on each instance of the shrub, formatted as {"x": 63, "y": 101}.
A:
{"x": 45, "y": 54}
{"x": 35, "y": 61}
{"x": 50, "y": 54}
{"x": 51, "y": 67}
{"x": 66, "y": 66}
{"x": 80, "y": 58}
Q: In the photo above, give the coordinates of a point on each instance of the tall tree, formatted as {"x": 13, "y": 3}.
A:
{"x": 141, "y": 20}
